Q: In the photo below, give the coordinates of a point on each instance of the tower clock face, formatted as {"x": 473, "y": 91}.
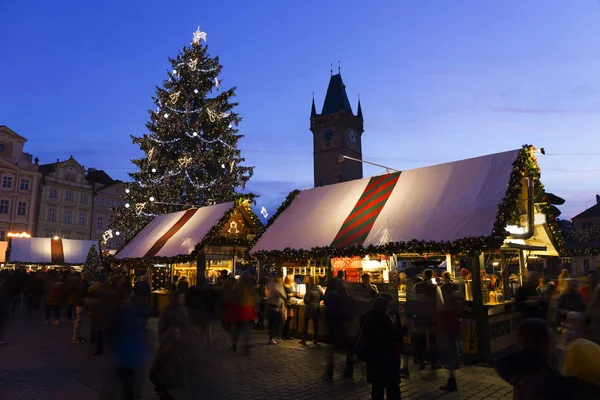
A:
{"x": 328, "y": 135}
{"x": 352, "y": 136}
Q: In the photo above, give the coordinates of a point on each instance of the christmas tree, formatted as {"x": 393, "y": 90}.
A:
{"x": 92, "y": 265}
{"x": 191, "y": 148}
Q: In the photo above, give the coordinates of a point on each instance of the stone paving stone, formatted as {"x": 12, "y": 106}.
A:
{"x": 41, "y": 363}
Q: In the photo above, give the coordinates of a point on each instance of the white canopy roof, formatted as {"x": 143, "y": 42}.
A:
{"x": 183, "y": 241}
{"x": 443, "y": 202}
{"x": 39, "y": 250}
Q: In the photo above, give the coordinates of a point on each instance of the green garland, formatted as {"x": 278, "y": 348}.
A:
{"x": 508, "y": 213}
{"x": 582, "y": 251}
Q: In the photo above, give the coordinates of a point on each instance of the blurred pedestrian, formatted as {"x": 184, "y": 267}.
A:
{"x": 423, "y": 306}
{"x": 76, "y": 297}
{"x": 340, "y": 316}
{"x": 142, "y": 296}
{"x": 263, "y": 296}
{"x": 4, "y": 310}
{"x": 244, "y": 300}
{"x": 54, "y": 295}
{"x": 174, "y": 314}
{"x": 100, "y": 302}
{"x": 127, "y": 339}
{"x": 275, "y": 309}
{"x": 312, "y": 310}
{"x": 291, "y": 305}
{"x": 383, "y": 337}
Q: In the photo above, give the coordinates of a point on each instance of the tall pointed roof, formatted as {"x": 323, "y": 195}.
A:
{"x": 313, "y": 111}
{"x": 336, "y": 98}
{"x": 359, "y": 112}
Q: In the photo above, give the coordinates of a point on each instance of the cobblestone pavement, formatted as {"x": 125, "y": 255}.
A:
{"x": 41, "y": 363}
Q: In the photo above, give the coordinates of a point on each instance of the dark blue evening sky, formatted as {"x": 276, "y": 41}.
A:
{"x": 439, "y": 80}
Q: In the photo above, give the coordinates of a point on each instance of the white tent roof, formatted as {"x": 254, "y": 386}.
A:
{"x": 183, "y": 241}
{"x": 39, "y": 250}
{"x": 443, "y": 202}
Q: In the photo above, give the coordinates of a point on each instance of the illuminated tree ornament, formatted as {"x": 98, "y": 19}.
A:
{"x": 217, "y": 83}
{"x": 193, "y": 64}
{"x": 264, "y": 212}
{"x": 184, "y": 161}
{"x": 150, "y": 156}
{"x": 139, "y": 207}
{"x": 174, "y": 97}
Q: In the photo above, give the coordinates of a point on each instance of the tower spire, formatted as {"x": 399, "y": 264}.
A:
{"x": 359, "y": 113}
{"x": 339, "y": 68}
{"x": 313, "y": 111}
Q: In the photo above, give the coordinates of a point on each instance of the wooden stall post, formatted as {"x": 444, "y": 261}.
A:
{"x": 522, "y": 265}
{"x": 505, "y": 277}
{"x": 480, "y": 312}
{"x": 201, "y": 268}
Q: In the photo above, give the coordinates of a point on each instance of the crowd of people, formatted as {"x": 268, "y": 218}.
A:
{"x": 361, "y": 323}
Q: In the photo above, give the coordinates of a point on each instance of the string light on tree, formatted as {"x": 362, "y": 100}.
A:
{"x": 151, "y": 199}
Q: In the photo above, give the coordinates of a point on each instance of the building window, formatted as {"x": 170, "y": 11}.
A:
{"x": 4, "y": 206}
{"x": 111, "y": 203}
{"x": 53, "y": 193}
{"x": 21, "y": 208}
{"x": 81, "y": 218}
{"x": 83, "y": 198}
{"x": 7, "y": 181}
{"x": 69, "y": 196}
{"x": 24, "y": 184}
{"x": 51, "y": 214}
{"x": 100, "y": 224}
{"x": 3, "y": 236}
{"x": 101, "y": 201}
{"x": 67, "y": 216}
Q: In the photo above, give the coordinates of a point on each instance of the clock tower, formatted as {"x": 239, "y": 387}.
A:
{"x": 336, "y": 131}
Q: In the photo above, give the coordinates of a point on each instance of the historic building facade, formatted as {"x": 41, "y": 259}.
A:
{"x": 66, "y": 201}
{"x": 336, "y": 131}
{"x": 108, "y": 193}
{"x": 19, "y": 185}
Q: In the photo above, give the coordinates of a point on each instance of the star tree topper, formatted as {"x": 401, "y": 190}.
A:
{"x": 198, "y": 35}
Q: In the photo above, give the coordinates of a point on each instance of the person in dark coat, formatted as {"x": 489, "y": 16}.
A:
{"x": 312, "y": 301}
{"x": 174, "y": 314}
{"x": 383, "y": 362}
{"x": 142, "y": 296}
{"x": 339, "y": 314}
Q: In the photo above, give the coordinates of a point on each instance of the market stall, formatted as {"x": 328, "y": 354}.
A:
{"x": 194, "y": 244}
{"x": 48, "y": 252}
{"x": 455, "y": 212}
